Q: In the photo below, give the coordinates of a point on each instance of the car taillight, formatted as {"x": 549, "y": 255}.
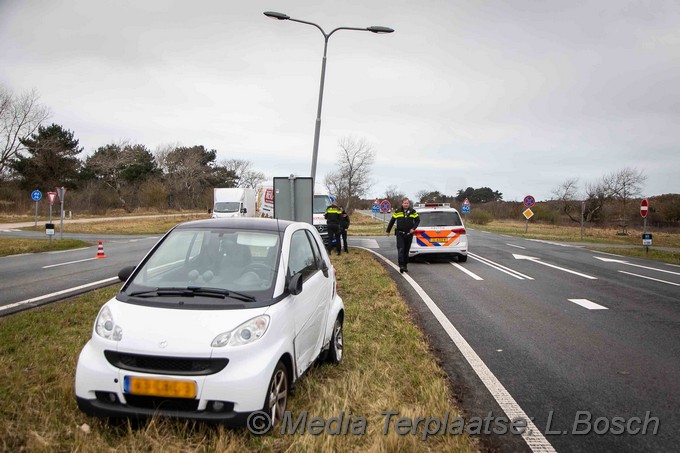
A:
{"x": 459, "y": 230}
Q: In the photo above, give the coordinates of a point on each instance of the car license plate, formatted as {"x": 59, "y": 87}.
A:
{"x": 442, "y": 240}
{"x": 160, "y": 387}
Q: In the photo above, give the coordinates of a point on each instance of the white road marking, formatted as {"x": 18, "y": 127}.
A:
{"x": 609, "y": 260}
{"x": 70, "y": 262}
{"x": 470, "y": 273}
{"x": 649, "y": 278}
{"x": 532, "y": 436}
{"x": 58, "y": 293}
{"x": 605, "y": 253}
{"x": 537, "y": 260}
{"x": 555, "y": 243}
{"x": 517, "y": 246}
{"x": 588, "y": 304}
{"x": 500, "y": 267}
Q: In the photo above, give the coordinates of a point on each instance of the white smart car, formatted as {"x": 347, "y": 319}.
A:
{"x": 440, "y": 233}
{"x": 217, "y": 322}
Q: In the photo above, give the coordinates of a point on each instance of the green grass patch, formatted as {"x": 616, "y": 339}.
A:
{"x": 16, "y": 246}
{"x": 653, "y": 254}
{"x": 387, "y": 366}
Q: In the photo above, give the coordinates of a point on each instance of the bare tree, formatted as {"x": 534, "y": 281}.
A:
{"x": 245, "y": 176}
{"x": 351, "y": 180}
{"x": 394, "y": 196}
{"x": 20, "y": 117}
{"x": 566, "y": 194}
{"x": 623, "y": 185}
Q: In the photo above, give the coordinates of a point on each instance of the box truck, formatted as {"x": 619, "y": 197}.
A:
{"x": 234, "y": 202}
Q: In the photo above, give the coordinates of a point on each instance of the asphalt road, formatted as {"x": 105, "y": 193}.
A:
{"x": 570, "y": 333}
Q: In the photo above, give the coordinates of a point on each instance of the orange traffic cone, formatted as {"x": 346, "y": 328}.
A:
{"x": 100, "y": 250}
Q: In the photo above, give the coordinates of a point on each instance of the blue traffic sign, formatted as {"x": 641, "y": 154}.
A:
{"x": 375, "y": 209}
{"x": 465, "y": 209}
{"x": 36, "y": 195}
{"x": 385, "y": 206}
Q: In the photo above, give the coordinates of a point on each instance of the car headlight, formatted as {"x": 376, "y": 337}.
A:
{"x": 106, "y": 327}
{"x": 248, "y": 332}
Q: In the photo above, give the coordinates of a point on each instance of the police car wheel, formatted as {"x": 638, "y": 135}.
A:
{"x": 462, "y": 258}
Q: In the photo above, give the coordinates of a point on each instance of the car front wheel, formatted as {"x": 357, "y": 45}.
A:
{"x": 335, "y": 349}
{"x": 277, "y": 394}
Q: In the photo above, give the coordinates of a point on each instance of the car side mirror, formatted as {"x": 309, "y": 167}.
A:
{"x": 295, "y": 284}
{"x": 244, "y": 210}
{"x": 125, "y": 273}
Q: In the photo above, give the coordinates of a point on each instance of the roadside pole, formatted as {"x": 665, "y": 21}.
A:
{"x": 61, "y": 191}
{"x": 583, "y": 211}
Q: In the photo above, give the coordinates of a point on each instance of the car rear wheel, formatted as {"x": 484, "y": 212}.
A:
{"x": 335, "y": 348}
{"x": 462, "y": 258}
{"x": 277, "y": 394}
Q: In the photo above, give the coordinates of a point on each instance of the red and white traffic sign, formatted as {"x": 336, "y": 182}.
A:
{"x": 644, "y": 207}
{"x": 51, "y": 196}
{"x": 529, "y": 201}
{"x": 466, "y": 202}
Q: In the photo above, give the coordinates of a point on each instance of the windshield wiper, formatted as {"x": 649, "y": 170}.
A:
{"x": 192, "y": 291}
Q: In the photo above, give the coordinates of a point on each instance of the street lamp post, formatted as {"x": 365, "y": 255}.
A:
{"x": 317, "y": 128}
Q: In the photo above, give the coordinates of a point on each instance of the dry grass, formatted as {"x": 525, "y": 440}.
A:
{"x": 573, "y": 234}
{"x": 363, "y": 225}
{"x": 122, "y": 225}
{"x": 387, "y": 366}
{"x": 639, "y": 252}
{"x": 17, "y": 246}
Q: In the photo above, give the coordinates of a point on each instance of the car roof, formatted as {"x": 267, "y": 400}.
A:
{"x": 246, "y": 223}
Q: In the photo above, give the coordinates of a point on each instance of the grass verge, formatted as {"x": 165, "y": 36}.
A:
{"x": 573, "y": 234}
{"x": 654, "y": 254}
{"x": 387, "y": 366}
{"x": 14, "y": 246}
{"x": 122, "y": 225}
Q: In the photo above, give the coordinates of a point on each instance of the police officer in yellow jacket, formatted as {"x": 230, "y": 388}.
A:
{"x": 333, "y": 217}
{"x": 407, "y": 221}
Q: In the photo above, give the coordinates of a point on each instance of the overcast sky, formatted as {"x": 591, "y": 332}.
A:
{"x": 516, "y": 95}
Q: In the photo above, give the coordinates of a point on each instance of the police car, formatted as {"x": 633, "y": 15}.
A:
{"x": 440, "y": 232}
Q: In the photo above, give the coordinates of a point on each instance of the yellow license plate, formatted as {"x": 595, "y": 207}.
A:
{"x": 160, "y": 387}
{"x": 442, "y": 240}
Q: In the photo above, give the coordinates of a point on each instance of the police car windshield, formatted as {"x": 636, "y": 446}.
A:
{"x": 439, "y": 218}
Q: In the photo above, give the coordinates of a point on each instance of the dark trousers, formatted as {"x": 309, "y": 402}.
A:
{"x": 343, "y": 234}
{"x": 334, "y": 237}
{"x": 403, "y": 246}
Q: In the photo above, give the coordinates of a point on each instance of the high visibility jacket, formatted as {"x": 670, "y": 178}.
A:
{"x": 406, "y": 220}
{"x": 332, "y": 215}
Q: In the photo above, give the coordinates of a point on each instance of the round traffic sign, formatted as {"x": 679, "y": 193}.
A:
{"x": 644, "y": 208}
{"x": 36, "y": 195}
{"x": 529, "y": 201}
{"x": 385, "y": 206}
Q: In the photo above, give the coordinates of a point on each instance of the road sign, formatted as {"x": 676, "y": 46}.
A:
{"x": 36, "y": 195}
{"x": 61, "y": 191}
{"x": 385, "y": 206}
{"x": 466, "y": 202}
{"x": 51, "y": 196}
{"x": 644, "y": 208}
{"x": 375, "y": 209}
{"x": 529, "y": 201}
{"x": 528, "y": 213}
{"x": 465, "y": 209}
{"x": 49, "y": 229}
{"x": 647, "y": 239}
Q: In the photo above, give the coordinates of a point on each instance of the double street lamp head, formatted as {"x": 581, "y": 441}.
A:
{"x": 374, "y": 29}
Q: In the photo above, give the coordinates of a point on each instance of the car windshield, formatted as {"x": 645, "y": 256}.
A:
{"x": 227, "y": 206}
{"x": 227, "y": 264}
{"x": 439, "y": 219}
{"x": 321, "y": 203}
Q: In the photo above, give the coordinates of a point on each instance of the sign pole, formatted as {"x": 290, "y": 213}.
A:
{"x": 50, "y": 222}
{"x": 583, "y": 211}
{"x": 35, "y": 217}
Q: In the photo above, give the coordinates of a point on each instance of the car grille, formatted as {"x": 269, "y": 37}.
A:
{"x": 184, "y": 366}
{"x": 321, "y": 228}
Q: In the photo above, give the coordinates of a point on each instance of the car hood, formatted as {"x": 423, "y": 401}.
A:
{"x": 177, "y": 332}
